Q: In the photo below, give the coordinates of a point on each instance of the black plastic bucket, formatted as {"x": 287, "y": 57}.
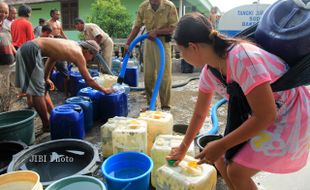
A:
{"x": 7, "y": 150}
{"x": 203, "y": 140}
{"x": 57, "y": 159}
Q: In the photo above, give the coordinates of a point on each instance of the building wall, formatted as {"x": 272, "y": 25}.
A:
{"x": 42, "y": 10}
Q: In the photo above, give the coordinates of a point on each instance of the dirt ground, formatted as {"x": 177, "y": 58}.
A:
{"x": 183, "y": 102}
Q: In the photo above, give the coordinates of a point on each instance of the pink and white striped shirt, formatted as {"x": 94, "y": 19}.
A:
{"x": 284, "y": 146}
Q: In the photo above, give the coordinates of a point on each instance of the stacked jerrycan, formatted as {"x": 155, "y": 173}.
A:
{"x": 130, "y": 137}
{"x": 95, "y": 97}
{"x": 75, "y": 76}
{"x": 105, "y": 80}
{"x": 114, "y": 104}
{"x": 106, "y": 105}
{"x": 187, "y": 175}
{"x": 106, "y": 134}
{"x": 67, "y": 121}
{"x": 86, "y": 105}
{"x": 284, "y": 30}
{"x": 132, "y": 73}
{"x": 157, "y": 123}
{"x": 162, "y": 147}
{"x": 120, "y": 134}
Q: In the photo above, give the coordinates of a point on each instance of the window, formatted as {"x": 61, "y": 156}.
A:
{"x": 69, "y": 11}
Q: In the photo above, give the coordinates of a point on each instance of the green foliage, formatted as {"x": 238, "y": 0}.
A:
{"x": 112, "y": 17}
{"x": 81, "y": 36}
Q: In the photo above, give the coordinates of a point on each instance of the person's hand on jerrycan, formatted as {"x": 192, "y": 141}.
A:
{"x": 108, "y": 90}
{"x": 176, "y": 155}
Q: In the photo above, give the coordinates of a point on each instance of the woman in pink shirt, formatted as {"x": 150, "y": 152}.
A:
{"x": 277, "y": 132}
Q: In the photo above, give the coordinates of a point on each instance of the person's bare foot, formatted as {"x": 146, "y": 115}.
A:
{"x": 144, "y": 109}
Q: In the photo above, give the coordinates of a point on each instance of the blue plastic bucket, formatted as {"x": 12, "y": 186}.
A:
{"x": 87, "y": 106}
{"x": 77, "y": 183}
{"x": 127, "y": 171}
{"x": 67, "y": 121}
{"x": 132, "y": 76}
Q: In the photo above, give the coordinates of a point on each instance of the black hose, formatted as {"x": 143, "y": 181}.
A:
{"x": 173, "y": 85}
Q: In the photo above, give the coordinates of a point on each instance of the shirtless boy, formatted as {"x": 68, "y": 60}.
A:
{"x": 33, "y": 79}
{"x": 55, "y": 24}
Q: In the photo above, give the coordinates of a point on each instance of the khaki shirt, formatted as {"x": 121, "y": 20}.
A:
{"x": 165, "y": 16}
{"x": 92, "y": 30}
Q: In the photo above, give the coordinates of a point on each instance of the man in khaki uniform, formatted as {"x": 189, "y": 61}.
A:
{"x": 160, "y": 19}
{"x": 94, "y": 32}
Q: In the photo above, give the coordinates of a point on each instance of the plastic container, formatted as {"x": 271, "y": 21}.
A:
{"x": 114, "y": 104}
{"x": 132, "y": 76}
{"x": 17, "y": 126}
{"x": 105, "y": 80}
{"x": 67, "y": 121}
{"x": 74, "y": 82}
{"x": 7, "y": 150}
{"x": 77, "y": 183}
{"x": 86, "y": 104}
{"x": 58, "y": 80}
{"x": 284, "y": 30}
{"x": 106, "y": 133}
{"x": 82, "y": 84}
{"x": 162, "y": 147}
{"x": 203, "y": 140}
{"x": 94, "y": 72}
{"x": 130, "y": 137}
{"x": 127, "y": 171}
{"x": 116, "y": 66}
{"x": 157, "y": 123}
{"x": 56, "y": 159}
{"x": 95, "y": 97}
{"x": 20, "y": 180}
{"x": 188, "y": 175}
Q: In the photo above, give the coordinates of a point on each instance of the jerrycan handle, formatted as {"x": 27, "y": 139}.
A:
{"x": 302, "y": 4}
{"x": 289, "y": 17}
{"x": 77, "y": 109}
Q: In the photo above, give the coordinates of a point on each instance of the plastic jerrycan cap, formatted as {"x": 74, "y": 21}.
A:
{"x": 171, "y": 162}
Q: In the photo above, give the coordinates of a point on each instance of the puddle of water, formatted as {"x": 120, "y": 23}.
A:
{"x": 82, "y": 185}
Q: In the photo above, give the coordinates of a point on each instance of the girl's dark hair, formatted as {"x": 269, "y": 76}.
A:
{"x": 195, "y": 27}
{"x": 24, "y": 10}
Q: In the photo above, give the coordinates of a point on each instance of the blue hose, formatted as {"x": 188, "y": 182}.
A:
{"x": 121, "y": 76}
{"x": 214, "y": 119}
